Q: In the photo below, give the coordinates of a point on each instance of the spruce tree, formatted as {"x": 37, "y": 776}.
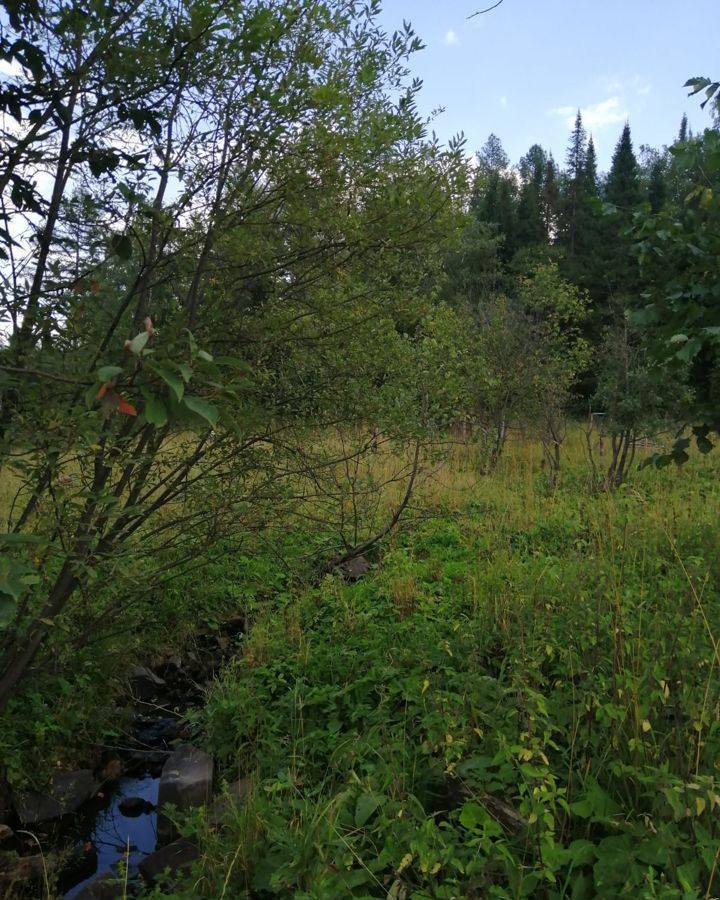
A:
{"x": 683, "y": 133}
{"x": 575, "y": 165}
{"x": 590, "y": 174}
{"x": 577, "y": 149}
{"x": 531, "y": 227}
{"x": 623, "y": 189}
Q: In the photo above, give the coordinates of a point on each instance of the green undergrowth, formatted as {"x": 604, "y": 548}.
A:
{"x": 521, "y": 701}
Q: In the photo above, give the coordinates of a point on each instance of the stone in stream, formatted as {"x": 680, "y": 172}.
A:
{"x": 135, "y": 806}
{"x": 186, "y": 781}
{"x": 144, "y": 683}
{"x": 106, "y": 887}
{"x": 173, "y": 857}
{"x": 67, "y": 792}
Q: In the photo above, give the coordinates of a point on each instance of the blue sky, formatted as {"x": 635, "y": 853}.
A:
{"x": 523, "y": 69}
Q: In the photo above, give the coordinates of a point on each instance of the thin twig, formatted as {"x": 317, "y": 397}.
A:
{"x": 481, "y": 12}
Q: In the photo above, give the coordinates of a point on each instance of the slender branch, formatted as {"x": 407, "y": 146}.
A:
{"x": 38, "y": 373}
{"x": 481, "y": 12}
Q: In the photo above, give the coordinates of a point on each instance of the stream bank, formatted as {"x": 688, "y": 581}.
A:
{"x": 96, "y": 829}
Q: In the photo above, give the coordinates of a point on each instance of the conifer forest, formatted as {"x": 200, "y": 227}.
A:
{"x": 359, "y": 499}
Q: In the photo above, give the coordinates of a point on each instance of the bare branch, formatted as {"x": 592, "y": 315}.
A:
{"x": 481, "y": 12}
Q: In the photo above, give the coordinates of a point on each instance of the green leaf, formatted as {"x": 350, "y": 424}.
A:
{"x": 472, "y": 815}
{"x": 173, "y": 381}
{"x": 155, "y": 411}
{"x": 107, "y": 373}
{"x": 137, "y": 344}
{"x": 204, "y": 355}
{"x": 202, "y": 408}
{"x": 185, "y": 371}
{"x": 7, "y": 609}
{"x": 367, "y": 804}
{"x": 121, "y": 245}
{"x": 689, "y": 350}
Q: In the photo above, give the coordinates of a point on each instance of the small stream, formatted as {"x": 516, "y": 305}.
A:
{"x": 120, "y": 837}
{"x": 112, "y": 833}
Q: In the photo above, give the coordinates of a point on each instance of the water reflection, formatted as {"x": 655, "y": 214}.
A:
{"x": 114, "y": 834}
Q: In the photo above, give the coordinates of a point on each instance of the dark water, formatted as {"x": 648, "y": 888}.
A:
{"x": 113, "y": 833}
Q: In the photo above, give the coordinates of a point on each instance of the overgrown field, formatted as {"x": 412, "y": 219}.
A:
{"x": 522, "y": 700}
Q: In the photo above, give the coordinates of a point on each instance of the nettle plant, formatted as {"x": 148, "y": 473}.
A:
{"x": 215, "y": 217}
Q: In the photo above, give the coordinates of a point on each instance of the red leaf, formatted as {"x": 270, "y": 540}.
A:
{"x": 103, "y": 390}
{"x": 126, "y": 408}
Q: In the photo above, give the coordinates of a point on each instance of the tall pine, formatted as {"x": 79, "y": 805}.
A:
{"x": 574, "y": 169}
{"x": 623, "y": 186}
{"x": 683, "y": 133}
{"x": 531, "y": 221}
{"x": 590, "y": 173}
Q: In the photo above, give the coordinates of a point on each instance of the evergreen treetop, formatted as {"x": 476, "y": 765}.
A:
{"x": 577, "y": 149}
{"x": 623, "y": 188}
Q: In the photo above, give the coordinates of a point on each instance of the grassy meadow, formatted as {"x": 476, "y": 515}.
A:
{"x": 521, "y": 700}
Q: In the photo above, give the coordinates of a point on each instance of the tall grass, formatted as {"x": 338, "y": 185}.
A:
{"x": 522, "y": 701}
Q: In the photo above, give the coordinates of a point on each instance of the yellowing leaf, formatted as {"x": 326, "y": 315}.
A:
{"x": 404, "y": 863}
{"x": 646, "y": 726}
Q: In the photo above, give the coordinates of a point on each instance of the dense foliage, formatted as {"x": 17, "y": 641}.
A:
{"x": 226, "y": 258}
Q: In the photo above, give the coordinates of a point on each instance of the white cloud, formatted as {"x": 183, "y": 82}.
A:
{"x": 451, "y": 38}
{"x": 503, "y": 101}
{"x": 596, "y": 116}
{"x": 641, "y": 86}
{"x": 635, "y": 84}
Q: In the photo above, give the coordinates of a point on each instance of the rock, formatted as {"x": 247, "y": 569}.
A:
{"x": 6, "y": 833}
{"x": 106, "y": 887}
{"x": 186, "y": 781}
{"x": 135, "y": 806}
{"x": 175, "y": 856}
{"x": 354, "y": 569}
{"x": 17, "y": 871}
{"x": 67, "y": 792}
{"x": 144, "y": 683}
